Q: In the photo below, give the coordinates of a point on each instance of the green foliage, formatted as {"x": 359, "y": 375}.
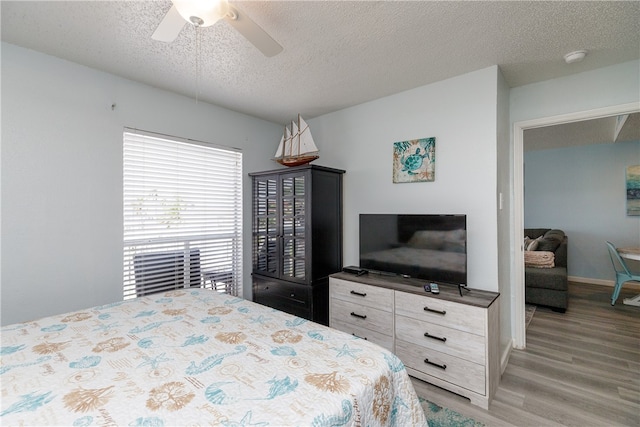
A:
{"x": 155, "y": 208}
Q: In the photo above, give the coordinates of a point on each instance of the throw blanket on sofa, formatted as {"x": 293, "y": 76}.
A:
{"x": 539, "y": 259}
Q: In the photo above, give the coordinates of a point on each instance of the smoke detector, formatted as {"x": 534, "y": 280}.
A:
{"x": 575, "y": 56}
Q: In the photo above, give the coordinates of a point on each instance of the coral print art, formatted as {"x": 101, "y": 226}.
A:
{"x": 414, "y": 160}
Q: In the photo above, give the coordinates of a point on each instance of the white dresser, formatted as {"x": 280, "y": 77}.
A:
{"x": 445, "y": 339}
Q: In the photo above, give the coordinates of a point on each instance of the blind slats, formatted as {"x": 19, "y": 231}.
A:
{"x": 182, "y": 215}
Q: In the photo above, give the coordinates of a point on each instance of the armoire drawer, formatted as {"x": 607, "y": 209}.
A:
{"x": 291, "y": 298}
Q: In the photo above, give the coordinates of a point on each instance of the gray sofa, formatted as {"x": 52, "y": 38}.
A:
{"x": 548, "y": 286}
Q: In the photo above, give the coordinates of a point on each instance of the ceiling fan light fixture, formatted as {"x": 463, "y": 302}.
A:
{"x": 202, "y": 13}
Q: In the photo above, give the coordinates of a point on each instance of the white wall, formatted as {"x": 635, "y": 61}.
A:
{"x": 582, "y": 190}
{"x": 609, "y": 86}
{"x": 461, "y": 113}
{"x": 505, "y": 212}
{"x": 62, "y": 176}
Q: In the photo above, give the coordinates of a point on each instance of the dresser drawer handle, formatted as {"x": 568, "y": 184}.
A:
{"x": 428, "y": 335}
{"x": 435, "y": 311}
{"x": 358, "y": 315}
{"x": 435, "y": 364}
{"x": 358, "y": 336}
{"x": 360, "y": 294}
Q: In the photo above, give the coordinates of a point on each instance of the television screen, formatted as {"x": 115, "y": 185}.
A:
{"x": 429, "y": 247}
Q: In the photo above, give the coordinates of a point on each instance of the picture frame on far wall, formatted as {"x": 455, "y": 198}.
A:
{"x": 414, "y": 160}
{"x": 633, "y": 190}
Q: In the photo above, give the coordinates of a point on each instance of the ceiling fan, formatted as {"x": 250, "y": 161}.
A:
{"x": 204, "y": 13}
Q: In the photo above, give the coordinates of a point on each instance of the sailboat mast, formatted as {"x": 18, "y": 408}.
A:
{"x": 290, "y": 140}
{"x": 299, "y": 136}
{"x": 295, "y": 136}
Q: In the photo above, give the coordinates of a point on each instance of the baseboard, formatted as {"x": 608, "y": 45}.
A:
{"x": 504, "y": 359}
{"x": 591, "y": 281}
{"x": 602, "y": 282}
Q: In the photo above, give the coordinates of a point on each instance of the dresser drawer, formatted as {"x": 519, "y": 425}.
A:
{"x": 358, "y": 293}
{"x": 361, "y": 315}
{"x": 442, "y": 312}
{"x": 463, "y": 373}
{"x": 385, "y": 341}
{"x": 457, "y": 343}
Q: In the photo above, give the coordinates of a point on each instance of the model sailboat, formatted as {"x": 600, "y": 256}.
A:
{"x": 296, "y": 146}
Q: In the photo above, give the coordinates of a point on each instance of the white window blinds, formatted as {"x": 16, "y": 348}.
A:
{"x": 182, "y": 215}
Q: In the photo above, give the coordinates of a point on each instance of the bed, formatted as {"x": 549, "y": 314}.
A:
{"x": 197, "y": 357}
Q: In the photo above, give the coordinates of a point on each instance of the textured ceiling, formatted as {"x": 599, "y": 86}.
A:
{"x": 336, "y": 53}
{"x": 604, "y": 130}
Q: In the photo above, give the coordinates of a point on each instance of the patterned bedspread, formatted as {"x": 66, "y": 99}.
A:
{"x": 197, "y": 357}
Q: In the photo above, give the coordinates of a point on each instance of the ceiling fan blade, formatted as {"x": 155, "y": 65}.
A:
{"x": 169, "y": 27}
{"x": 253, "y": 32}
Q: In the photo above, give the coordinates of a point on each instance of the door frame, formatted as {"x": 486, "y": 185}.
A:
{"x": 519, "y": 336}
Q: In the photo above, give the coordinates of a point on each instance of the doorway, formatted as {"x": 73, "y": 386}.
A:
{"x": 519, "y": 333}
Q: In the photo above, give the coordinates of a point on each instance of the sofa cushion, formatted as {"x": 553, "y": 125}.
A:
{"x": 554, "y": 234}
{"x": 546, "y": 278}
{"x": 561, "y": 253}
{"x": 549, "y": 244}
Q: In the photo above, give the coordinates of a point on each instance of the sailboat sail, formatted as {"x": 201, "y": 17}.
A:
{"x": 284, "y": 141}
{"x": 307, "y": 145}
{"x": 296, "y": 145}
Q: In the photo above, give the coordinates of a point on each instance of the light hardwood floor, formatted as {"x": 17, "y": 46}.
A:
{"x": 580, "y": 368}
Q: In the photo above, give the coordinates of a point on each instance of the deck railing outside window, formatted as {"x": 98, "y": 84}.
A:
{"x": 182, "y": 215}
{"x": 205, "y": 262}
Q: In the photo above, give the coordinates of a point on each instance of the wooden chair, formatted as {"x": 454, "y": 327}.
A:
{"x": 623, "y": 274}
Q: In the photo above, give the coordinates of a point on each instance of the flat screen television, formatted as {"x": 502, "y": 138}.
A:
{"x": 428, "y": 246}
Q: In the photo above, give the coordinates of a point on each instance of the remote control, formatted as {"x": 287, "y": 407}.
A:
{"x": 434, "y": 288}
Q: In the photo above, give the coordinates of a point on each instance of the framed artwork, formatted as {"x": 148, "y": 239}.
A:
{"x": 633, "y": 190}
{"x": 414, "y": 160}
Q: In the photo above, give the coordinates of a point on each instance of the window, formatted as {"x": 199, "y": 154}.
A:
{"x": 182, "y": 215}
